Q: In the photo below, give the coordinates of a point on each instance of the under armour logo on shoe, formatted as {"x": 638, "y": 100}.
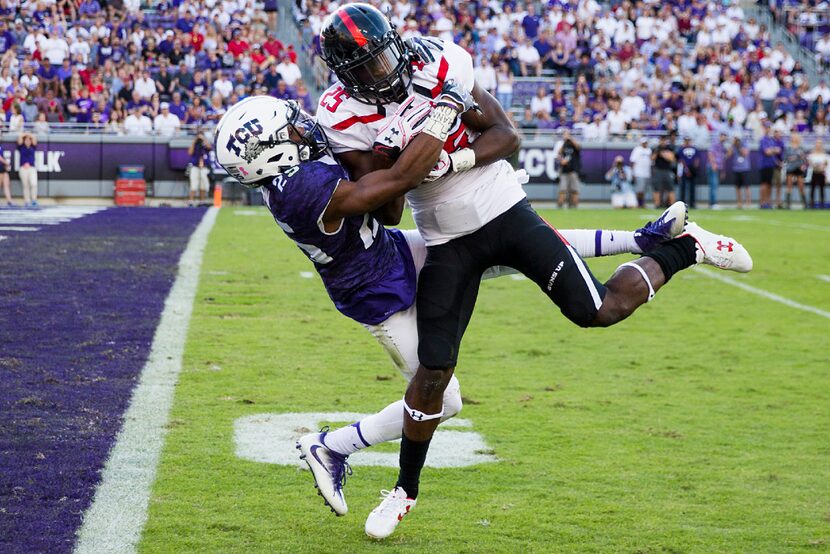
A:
{"x": 728, "y": 246}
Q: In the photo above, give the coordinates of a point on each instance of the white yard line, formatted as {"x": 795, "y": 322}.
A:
{"x": 760, "y": 292}
{"x": 805, "y": 226}
{"x": 6, "y": 228}
{"x": 114, "y": 521}
{"x": 825, "y": 278}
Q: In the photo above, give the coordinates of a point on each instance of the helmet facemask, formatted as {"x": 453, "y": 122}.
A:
{"x": 379, "y": 75}
{"x": 300, "y": 130}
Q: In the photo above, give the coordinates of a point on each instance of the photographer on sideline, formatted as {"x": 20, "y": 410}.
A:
{"x": 199, "y": 167}
{"x": 622, "y": 191}
{"x": 569, "y": 160}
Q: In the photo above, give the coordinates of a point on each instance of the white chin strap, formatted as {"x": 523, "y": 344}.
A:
{"x": 419, "y": 416}
{"x": 645, "y": 278}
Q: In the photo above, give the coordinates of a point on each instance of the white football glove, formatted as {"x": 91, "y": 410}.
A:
{"x": 409, "y": 119}
{"x": 441, "y": 168}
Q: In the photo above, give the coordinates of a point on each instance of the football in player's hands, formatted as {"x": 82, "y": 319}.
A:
{"x": 402, "y": 127}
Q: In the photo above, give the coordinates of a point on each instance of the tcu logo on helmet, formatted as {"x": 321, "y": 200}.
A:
{"x": 242, "y": 135}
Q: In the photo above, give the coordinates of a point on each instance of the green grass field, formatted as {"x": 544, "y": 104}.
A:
{"x": 700, "y": 424}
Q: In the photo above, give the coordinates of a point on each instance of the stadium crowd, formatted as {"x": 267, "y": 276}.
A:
{"x": 691, "y": 66}
{"x": 696, "y": 69}
{"x": 132, "y": 68}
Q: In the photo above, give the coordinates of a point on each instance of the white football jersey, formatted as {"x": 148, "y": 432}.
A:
{"x": 457, "y": 204}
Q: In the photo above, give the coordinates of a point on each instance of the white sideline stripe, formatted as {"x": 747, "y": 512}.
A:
{"x": 586, "y": 276}
{"x": 114, "y": 521}
{"x": 760, "y": 292}
{"x": 824, "y": 277}
{"x": 19, "y": 228}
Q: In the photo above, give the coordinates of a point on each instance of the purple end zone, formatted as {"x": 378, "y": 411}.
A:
{"x": 79, "y": 305}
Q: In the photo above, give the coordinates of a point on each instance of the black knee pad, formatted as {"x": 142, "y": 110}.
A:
{"x": 437, "y": 352}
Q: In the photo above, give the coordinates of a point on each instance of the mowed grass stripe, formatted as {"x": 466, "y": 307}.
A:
{"x": 698, "y": 425}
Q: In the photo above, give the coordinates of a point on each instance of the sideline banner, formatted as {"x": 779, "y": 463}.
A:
{"x": 96, "y": 159}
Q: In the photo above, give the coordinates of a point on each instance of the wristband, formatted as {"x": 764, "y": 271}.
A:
{"x": 440, "y": 122}
{"x": 462, "y": 160}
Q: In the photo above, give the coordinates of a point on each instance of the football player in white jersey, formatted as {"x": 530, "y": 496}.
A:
{"x": 472, "y": 217}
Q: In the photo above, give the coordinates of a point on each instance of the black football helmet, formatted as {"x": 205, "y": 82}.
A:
{"x": 366, "y": 53}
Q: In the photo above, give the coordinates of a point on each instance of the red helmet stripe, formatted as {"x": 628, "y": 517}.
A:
{"x": 356, "y": 34}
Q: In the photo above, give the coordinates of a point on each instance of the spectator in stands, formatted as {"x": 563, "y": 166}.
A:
{"x": 542, "y": 104}
{"x": 596, "y": 130}
{"x": 177, "y": 107}
{"x": 29, "y": 108}
{"x": 739, "y": 155}
{"x": 165, "y": 123}
{"x": 688, "y": 162}
{"x": 663, "y": 171}
{"x": 26, "y": 147}
{"x": 137, "y": 124}
{"x": 531, "y": 22}
{"x": 17, "y": 121}
{"x": 767, "y": 87}
{"x": 617, "y": 120}
{"x": 145, "y": 86}
{"x": 528, "y": 120}
{"x": 530, "y": 63}
{"x": 621, "y": 177}
{"x": 570, "y": 164}
{"x": 504, "y": 85}
{"x": 795, "y": 164}
{"x": 289, "y": 70}
{"x": 115, "y": 125}
{"x": 303, "y": 96}
{"x": 5, "y": 169}
{"x": 485, "y": 75}
{"x": 641, "y": 160}
{"x": 199, "y": 168}
{"x": 41, "y": 126}
{"x": 223, "y": 86}
{"x": 818, "y": 162}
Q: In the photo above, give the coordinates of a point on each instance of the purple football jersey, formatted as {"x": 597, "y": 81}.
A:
{"x": 367, "y": 269}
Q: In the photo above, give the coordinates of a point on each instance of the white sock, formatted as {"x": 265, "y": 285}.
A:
{"x": 386, "y": 425}
{"x": 592, "y": 243}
